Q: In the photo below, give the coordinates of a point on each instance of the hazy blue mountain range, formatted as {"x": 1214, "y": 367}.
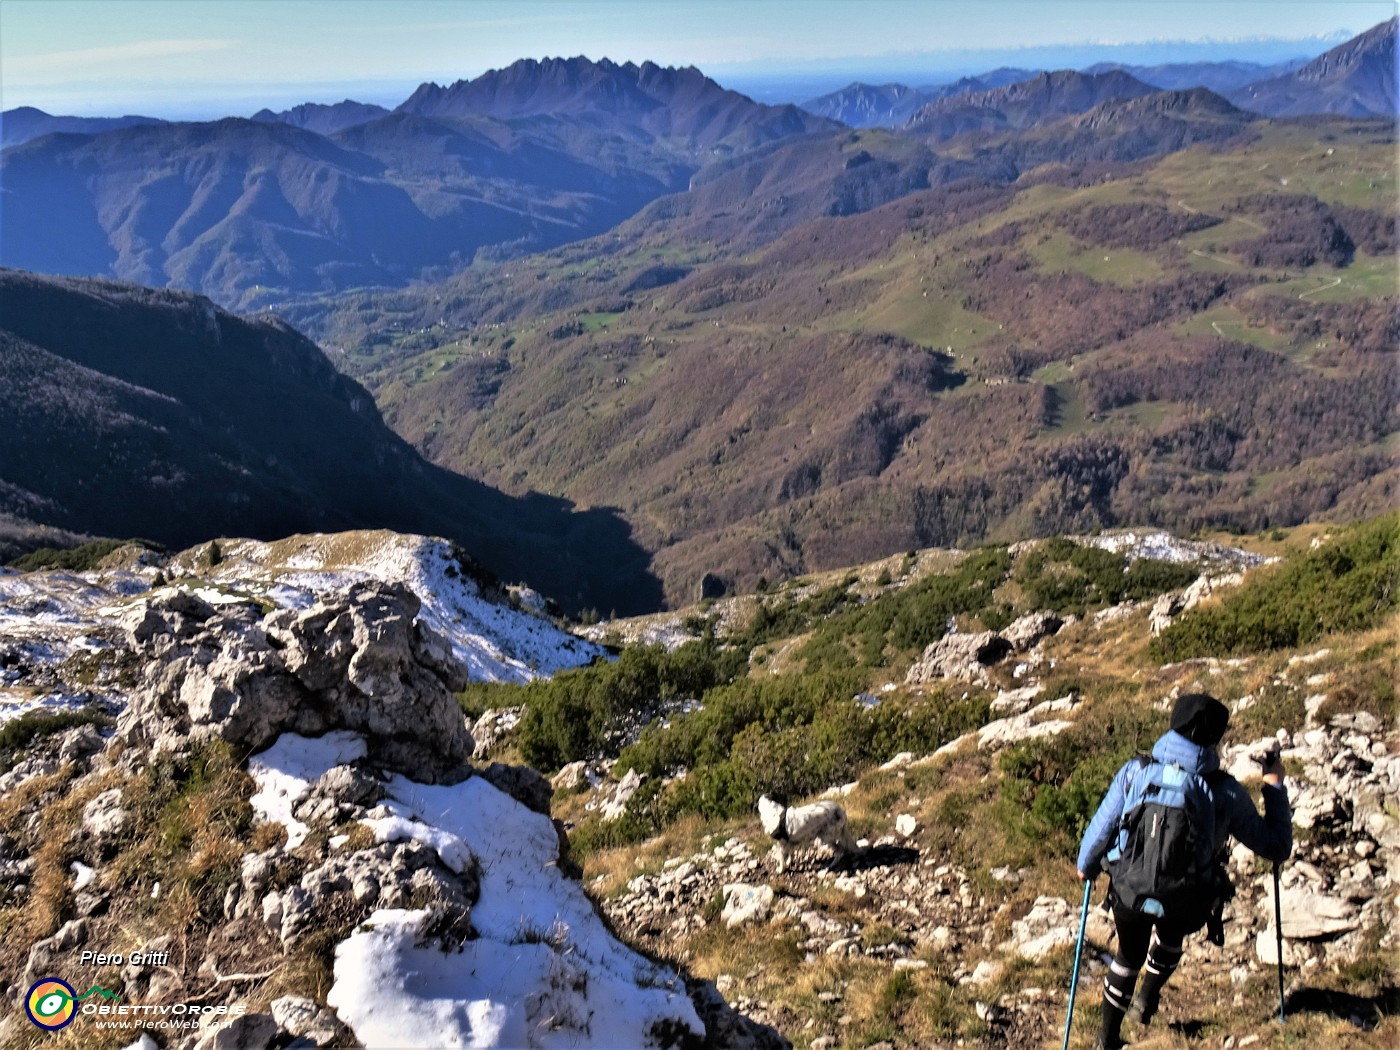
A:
{"x": 1220, "y": 77}
{"x": 318, "y": 199}
{"x": 25, "y": 123}
{"x": 890, "y": 105}
{"x": 249, "y": 211}
{"x": 1046, "y": 96}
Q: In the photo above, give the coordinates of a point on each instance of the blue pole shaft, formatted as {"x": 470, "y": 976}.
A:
{"x": 1078, "y": 951}
{"x": 1278, "y": 928}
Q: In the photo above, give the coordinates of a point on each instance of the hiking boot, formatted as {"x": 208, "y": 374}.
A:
{"x": 1144, "y": 1007}
{"x": 1101, "y": 1044}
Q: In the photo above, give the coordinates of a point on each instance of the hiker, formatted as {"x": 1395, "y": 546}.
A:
{"x": 1161, "y": 832}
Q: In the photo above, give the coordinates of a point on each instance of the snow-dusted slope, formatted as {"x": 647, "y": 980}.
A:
{"x": 542, "y": 970}
{"x": 49, "y": 617}
{"x": 497, "y": 641}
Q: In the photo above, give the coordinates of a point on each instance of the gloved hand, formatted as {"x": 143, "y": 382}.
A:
{"x": 1271, "y": 765}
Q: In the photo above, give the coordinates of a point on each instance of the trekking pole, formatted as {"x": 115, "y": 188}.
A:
{"x": 1265, "y": 760}
{"x": 1078, "y": 951}
{"x": 1278, "y": 932}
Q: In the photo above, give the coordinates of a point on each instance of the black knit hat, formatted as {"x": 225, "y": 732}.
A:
{"x": 1200, "y": 718}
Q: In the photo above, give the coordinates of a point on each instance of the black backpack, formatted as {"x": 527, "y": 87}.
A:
{"x": 1163, "y": 860}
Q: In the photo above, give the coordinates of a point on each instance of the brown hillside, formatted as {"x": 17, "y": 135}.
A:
{"x": 1093, "y": 344}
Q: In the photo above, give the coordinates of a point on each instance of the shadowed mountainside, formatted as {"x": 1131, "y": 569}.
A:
{"x": 130, "y": 411}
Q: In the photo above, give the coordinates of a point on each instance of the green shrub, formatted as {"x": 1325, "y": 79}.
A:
{"x": 479, "y": 697}
{"x": 781, "y": 617}
{"x": 786, "y": 737}
{"x": 83, "y": 558}
{"x": 1061, "y": 576}
{"x": 18, "y": 734}
{"x": 903, "y": 622}
{"x": 1348, "y": 584}
{"x": 586, "y": 712}
{"x": 1051, "y": 786}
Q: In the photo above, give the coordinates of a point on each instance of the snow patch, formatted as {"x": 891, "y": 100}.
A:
{"x": 285, "y": 772}
{"x": 1165, "y": 547}
{"x": 544, "y": 971}
{"x": 82, "y": 875}
{"x": 496, "y": 642}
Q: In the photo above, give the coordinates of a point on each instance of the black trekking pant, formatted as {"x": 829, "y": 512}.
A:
{"x": 1135, "y": 934}
{"x": 1141, "y": 939}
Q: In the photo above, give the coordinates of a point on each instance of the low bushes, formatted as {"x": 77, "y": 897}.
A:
{"x": 1061, "y": 576}
{"x": 907, "y": 620}
{"x": 18, "y": 734}
{"x": 590, "y": 711}
{"x": 784, "y": 737}
{"x": 75, "y": 559}
{"x": 1350, "y": 583}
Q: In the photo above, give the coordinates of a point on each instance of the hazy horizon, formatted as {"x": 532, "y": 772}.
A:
{"x": 187, "y": 60}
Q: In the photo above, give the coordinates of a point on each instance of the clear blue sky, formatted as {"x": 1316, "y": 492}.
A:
{"x": 207, "y": 57}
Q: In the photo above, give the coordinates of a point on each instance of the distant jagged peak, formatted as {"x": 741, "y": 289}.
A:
{"x": 680, "y": 105}
{"x": 531, "y": 87}
{"x": 868, "y": 105}
{"x": 323, "y": 118}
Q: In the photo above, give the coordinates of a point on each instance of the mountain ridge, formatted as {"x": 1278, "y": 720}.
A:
{"x": 1356, "y": 78}
{"x": 23, "y": 123}
{"x": 1044, "y": 97}
{"x": 249, "y": 211}
{"x": 324, "y": 119}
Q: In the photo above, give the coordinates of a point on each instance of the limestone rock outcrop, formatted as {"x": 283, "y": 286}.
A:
{"x": 360, "y": 664}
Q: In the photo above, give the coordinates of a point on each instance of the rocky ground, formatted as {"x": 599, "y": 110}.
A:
{"x": 901, "y": 904}
{"x": 273, "y": 814}
{"x": 268, "y": 785}
{"x": 999, "y": 939}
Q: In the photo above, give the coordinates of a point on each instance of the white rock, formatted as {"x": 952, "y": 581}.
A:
{"x": 1016, "y": 701}
{"x": 1266, "y": 948}
{"x": 1007, "y": 731}
{"x": 987, "y": 971}
{"x": 104, "y": 818}
{"x": 905, "y": 825}
{"x": 1050, "y": 923}
{"x": 745, "y": 903}
{"x": 1309, "y": 914}
{"x": 616, "y": 805}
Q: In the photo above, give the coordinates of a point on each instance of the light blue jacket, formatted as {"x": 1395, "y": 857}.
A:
{"x": 1270, "y": 836}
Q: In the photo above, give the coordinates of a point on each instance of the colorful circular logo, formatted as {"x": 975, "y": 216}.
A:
{"x": 51, "y": 1004}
